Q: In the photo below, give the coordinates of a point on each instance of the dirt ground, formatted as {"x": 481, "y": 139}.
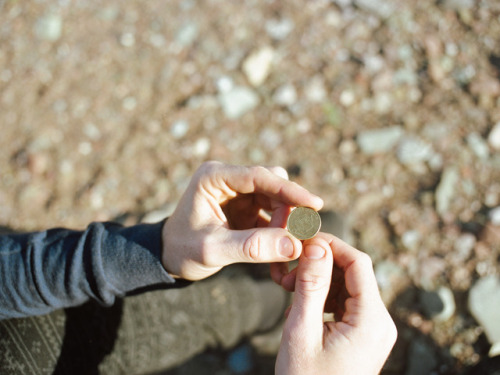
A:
{"x": 389, "y": 110}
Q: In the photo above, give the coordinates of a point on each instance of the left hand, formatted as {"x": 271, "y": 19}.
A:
{"x": 220, "y": 220}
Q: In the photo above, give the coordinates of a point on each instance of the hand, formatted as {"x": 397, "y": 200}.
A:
{"x": 221, "y": 219}
{"x": 360, "y": 339}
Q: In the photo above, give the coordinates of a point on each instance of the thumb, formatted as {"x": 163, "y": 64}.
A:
{"x": 312, "y": 285}
{"x": 259, "y": 245}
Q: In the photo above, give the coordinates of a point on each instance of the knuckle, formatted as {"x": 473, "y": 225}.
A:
{"x": 251, "y": 247}
{"x": 312, "y": 283}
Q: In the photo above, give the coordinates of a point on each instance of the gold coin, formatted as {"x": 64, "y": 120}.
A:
{"x": 303, "y": 223}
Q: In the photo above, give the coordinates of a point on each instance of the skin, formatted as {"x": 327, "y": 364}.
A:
{"x": 221, "y": 219}
{"x": 363, "y": 333}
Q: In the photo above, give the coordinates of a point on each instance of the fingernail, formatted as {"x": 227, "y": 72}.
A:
{"x": 314, "y": 252}
{"x": 286, "y": 247}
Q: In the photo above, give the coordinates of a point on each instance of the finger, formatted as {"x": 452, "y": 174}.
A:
{"x": 277, "y": 271}
{"x": 312, "y": 285}
{"x": 279, "y": 171}
{"x": 224, "y": 181}
{"x": 258, "y": 245}
{"x": 280, "y": 216}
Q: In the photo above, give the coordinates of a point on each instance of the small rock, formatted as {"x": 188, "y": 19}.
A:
{"x": 494, "y": 137}
{"x": 201, "y": 147}
{"x": 270, "y": 138}
{"x": 478, "y": 145}
{"x": 438, "y": 305}
{"x": 224, "y": 84}
{"x": 179, "y": 129}
{"x": 238, "y": 101}
{"x": 279, "y": 29}
{"x": 414, "y": 150}
{"x": 446, "y": 189}
{"x": 347, "y": 98}
{"x": 411, "y": 239}
{"x": 315, "y": 90}
{"x": 459, "y": 4}
{"x": 388, "y": 274}
{"x": 463, "y": 246}
{"x": 484, "y": 305}
{"x": 49, "y": 27}
{"x": 495, "y": 216}
{"x": 127, "y": 39}
{"x": 258, "y": 65}
{"x": 187, "y": 34}
{"x": 285, "y": 95}
{"x": 379, "y": 140}
{"x": 382, "y": 8}
{"x": 422, "y": 358}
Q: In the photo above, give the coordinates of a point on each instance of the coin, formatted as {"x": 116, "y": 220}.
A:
{"x": 303, "y": 223}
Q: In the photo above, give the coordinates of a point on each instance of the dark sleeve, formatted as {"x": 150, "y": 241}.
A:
{"x": 44, "y": 271}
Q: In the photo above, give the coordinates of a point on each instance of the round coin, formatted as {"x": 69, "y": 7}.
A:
{"x": 303, "y": 223}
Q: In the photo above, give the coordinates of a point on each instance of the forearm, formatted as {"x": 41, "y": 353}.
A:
{"x": 44, "y": 271}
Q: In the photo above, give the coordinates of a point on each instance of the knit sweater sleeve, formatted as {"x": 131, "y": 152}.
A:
{"x": 44, "y": 271}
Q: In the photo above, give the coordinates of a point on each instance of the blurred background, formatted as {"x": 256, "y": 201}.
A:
{"x": 389, "y": 110}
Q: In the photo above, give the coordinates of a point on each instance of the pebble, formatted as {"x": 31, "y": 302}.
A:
{"x": 238, "y": 101}
{"x": 495, "y": 216}
{"x": 258, "y": 65}
{"x": 478, "y": 145}
{"x": 414, "y": 150}
{"x": 279, "y": 29}
{"x": 438, "y": 305}
{"x": 388, "y": 274}
{"x": 315, "y": 90}
{"x": 382, "y": 8}
{"x": 49, "y": 27}
{"x": 445, "y": 191}
{"x": 459, "y": 4}
{"x": 411, "y": 239}
{"x": 201, "y": 147}
{"x": 379, "y": 140}
{"x": 187, "y": 34}
{"x": 484, "y": 305}
{"x": 179, "y": 129}
{"x": 422, "y": 358}
{"x": 494, "y": 137}
{"x": 463, "y": 246}
{"x": 285, "y": 95}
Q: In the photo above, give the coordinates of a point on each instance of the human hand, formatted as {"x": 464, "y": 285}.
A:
{"x": 220, "y": 220}
{"x": 360, "y": 339}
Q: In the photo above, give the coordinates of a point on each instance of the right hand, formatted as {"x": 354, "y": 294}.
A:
{"x": 360, "y": 339}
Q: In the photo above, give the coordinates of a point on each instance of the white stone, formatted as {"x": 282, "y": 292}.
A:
{"x": 258, "y": 65}
{"x": 187, "y": 34}
{"x": 238, "y": 101}
{"x": 285, "y": 95}
{"x": 127, "y": 39}
{"x": 379, "y": 140}
{"x": 347, "y": 98}
{"x": 449, "y": 306}
{"x": 49, "y": 27}
{"x": 179, "y": 129}
{"x": 315, "y": 90}
{"x": 414, "y": 150}
{"x": 484, "y": 304}
{"x": 478, "y": 145}
{"x": 201, "y": 147}
{"x": 494, "y": 137}
{"x": 224, "y": 84}
{"x": 446, "y": 189}
{"x": 279, "y": 28}
{"x": 495, "y": 216}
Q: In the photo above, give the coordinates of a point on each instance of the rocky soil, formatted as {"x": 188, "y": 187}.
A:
{"x": 389, "y": 110}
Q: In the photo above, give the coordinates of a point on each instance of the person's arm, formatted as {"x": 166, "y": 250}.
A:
{"x": 57, "y": 268}
{"x": 360, "y": 339}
